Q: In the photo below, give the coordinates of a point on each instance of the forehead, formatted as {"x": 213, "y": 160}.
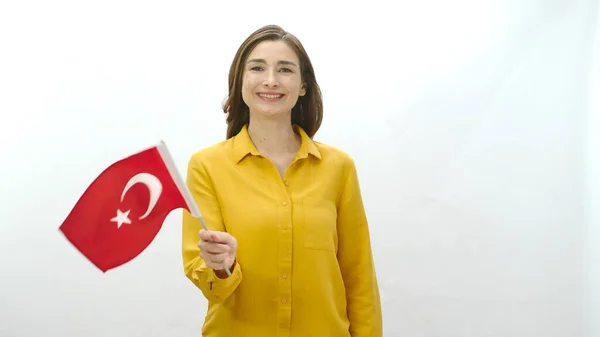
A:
{"x": 273, "y": 51}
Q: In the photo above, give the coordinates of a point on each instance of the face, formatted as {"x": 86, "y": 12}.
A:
{"x": 272, "y": 79}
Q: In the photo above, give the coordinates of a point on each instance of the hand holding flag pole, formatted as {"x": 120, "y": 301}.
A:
{"x": 192, "y": 206}
{"x": 90, "y": 226}
{"x": 196, "y": 213}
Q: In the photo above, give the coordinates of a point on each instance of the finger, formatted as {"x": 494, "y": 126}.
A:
{"x": 215, "y": 236}
{"x": 206, "y": 258}
{"x": 214, "y": 248}
{"x": 210, "y": 264}
{"x": 204, "y": 235}
{"x": 213, "y": 261}
{"x": 218, "y": 258}
{"x": 205, "y": 243}
{"x": 212, "y": 256}
{"x": 220, "y": 237}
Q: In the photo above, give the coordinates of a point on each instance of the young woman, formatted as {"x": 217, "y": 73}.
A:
{"x": 285, "y": 212}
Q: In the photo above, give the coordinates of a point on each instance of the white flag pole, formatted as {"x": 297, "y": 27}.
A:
{"x": 187, "y": 195}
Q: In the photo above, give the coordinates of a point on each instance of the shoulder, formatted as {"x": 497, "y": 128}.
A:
{"x": 331, "y": 152}
{"x": 217, "y": 153}
{"x": 335, "y": 156}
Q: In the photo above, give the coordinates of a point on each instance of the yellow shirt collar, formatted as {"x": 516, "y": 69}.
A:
{"x": 243, "y": 145}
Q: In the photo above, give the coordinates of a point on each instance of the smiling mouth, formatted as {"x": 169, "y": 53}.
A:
{"x": 270, "y": 97}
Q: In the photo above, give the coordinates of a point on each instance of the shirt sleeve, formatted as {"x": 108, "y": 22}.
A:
{"x": 200, "y": 185}
{"x": 356, "y": 262}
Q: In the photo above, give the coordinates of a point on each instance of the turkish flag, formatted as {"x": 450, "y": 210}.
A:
{"x": 123, "y": 209}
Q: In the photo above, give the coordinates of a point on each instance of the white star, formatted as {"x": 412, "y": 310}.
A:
{"x": 121, "y": 218}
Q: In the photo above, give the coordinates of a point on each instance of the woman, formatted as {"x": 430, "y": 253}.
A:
{"x": 285, "y": 212}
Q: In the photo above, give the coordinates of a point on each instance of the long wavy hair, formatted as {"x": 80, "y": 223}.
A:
{"x": 308, "y": 111}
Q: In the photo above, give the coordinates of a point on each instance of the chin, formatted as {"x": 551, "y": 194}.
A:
{"x": 273, "y": 113}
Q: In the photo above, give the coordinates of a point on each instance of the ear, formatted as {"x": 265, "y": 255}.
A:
{"x": 303, "y": 89}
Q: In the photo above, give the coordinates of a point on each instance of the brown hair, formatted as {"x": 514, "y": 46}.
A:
{"x": 308, "y": 111}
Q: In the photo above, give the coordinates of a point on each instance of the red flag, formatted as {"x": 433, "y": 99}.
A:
{"x": 123, "y": 209}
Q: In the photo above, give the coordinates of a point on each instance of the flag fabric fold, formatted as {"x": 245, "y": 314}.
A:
{"x": 123, "y": 209}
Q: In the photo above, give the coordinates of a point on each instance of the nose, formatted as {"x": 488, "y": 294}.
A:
{"x": 271, "y": 79}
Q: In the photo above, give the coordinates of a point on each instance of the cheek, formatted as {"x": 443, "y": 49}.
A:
{"x": 295, "y": 86}
{"x": 250, "y": 83}
{"x": 246, "y": 89}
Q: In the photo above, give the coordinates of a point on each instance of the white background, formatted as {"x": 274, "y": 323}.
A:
{"x": 474, "y": 125}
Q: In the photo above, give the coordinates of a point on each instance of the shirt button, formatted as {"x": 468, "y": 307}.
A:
{"x": 284, "y": 276}
{"x": 283, "y": 300}
{"x": 287, "y": 183}
{"x": 284, "y": 203}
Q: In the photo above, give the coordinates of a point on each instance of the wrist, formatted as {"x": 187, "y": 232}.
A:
{"x": 222, "y": 274}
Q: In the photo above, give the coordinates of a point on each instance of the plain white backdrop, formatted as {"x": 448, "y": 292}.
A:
{"x": 592, "y": 248}
{"x": 474, "y": 125}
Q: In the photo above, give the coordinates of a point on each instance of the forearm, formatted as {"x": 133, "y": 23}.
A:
{"x": 362, "y": 289}
{"x": 364, "y": 307}
{"x": 215, "y": 288}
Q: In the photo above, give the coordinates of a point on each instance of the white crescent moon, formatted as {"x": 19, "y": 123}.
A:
{"x": 153, "y": 184}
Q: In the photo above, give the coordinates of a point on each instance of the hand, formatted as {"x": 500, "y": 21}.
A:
{"x": 218, "y": 252}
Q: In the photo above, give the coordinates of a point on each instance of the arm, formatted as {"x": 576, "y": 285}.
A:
{"x": 356, "y": 262}
{"x": 215, "y": 286}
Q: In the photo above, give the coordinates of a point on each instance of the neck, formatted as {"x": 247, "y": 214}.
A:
{"x": 273, "y": 136}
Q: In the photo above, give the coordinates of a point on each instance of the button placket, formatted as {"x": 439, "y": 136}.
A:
{"x": 285, "y": 257}
{"x": 286, "y": 209}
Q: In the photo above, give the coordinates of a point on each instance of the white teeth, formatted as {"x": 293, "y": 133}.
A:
{"x": 269, "y": 96}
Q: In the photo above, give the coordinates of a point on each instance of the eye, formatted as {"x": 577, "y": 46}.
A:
{"x": 285, "y": 70}
{"x": 256, "y": 68}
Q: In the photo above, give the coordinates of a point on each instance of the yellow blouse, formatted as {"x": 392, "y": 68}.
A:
{"x": 304, "y": 263}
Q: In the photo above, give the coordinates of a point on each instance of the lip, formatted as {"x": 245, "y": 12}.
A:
{"x": 270, "y": 99}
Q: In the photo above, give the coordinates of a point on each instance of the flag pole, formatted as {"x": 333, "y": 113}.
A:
{"x": 187, "y": 195}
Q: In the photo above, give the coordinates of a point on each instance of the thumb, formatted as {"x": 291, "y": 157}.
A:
{"x": 205, "y": 235}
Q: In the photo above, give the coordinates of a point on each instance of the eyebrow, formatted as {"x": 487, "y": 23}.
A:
{"x": 280, "y": 62}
